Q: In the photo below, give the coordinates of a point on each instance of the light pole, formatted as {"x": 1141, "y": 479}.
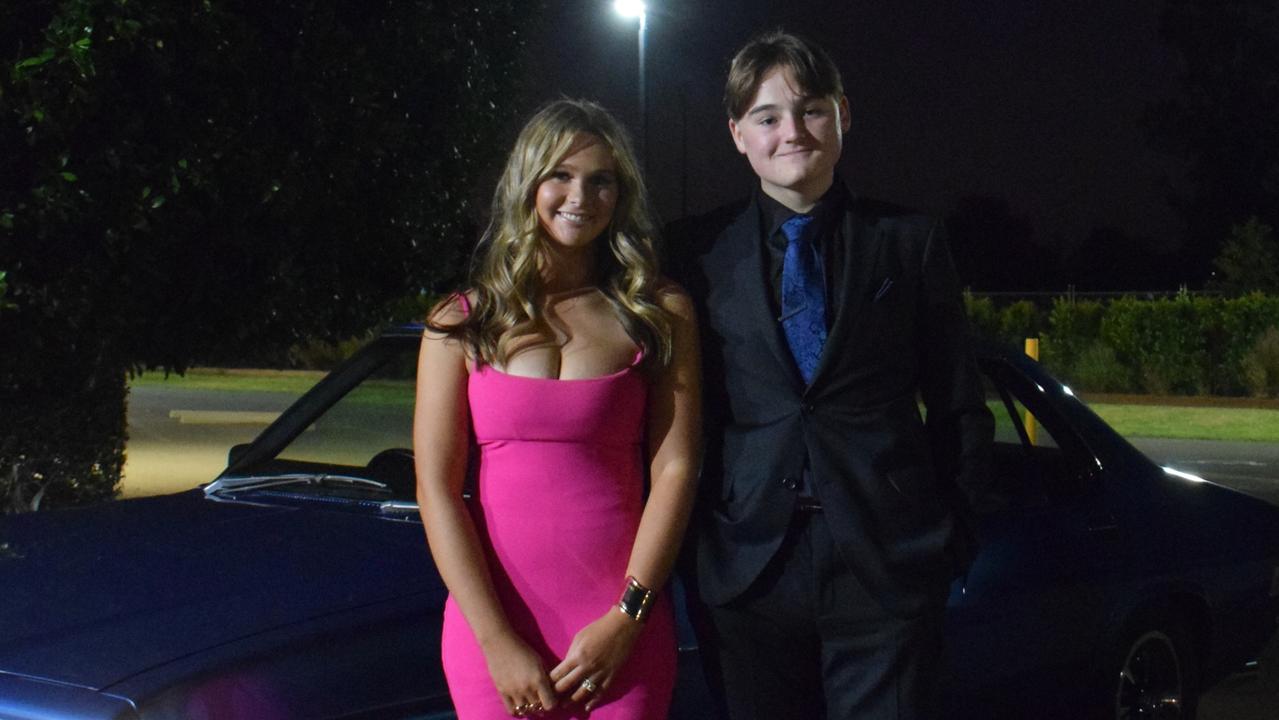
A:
{"x": 638, "y": 9}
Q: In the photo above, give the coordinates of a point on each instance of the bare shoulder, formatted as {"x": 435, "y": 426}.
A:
{"x": 674, "y": 299}
{"x": 447, "y": 314}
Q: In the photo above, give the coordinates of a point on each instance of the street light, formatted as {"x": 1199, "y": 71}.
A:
{"x": 638, "y": 9}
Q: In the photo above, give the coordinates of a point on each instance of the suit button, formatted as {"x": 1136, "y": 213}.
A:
{"x": 807, "y": 408}
{"x": 790, "y": 483}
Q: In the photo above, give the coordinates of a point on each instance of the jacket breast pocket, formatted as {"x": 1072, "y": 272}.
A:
{"x": 912, "y": 483}
{"x": 881, "y": 290}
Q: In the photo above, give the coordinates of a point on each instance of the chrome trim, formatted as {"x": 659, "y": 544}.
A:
{"x": 1183, "y": 475}
{"x": 398, "y": 507}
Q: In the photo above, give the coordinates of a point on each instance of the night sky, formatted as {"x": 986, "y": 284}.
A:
{"x": 1038, "y": 103}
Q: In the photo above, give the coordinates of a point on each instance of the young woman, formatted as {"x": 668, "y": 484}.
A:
{"x": 574, "y": 367}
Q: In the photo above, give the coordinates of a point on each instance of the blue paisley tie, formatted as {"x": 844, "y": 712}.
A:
{"x": 803, "y": 296}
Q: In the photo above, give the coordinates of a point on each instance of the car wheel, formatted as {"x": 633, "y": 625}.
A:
{"x": 1157, "y": 677}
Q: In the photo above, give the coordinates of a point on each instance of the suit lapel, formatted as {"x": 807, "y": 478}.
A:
{"x": 751, "y": 288}
{"x": 864, "y": 243}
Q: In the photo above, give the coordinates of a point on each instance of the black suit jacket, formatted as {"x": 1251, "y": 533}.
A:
{"x": 896, "y": 489}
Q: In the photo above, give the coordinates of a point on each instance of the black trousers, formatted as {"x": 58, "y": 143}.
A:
{"x": 807, "y": 641}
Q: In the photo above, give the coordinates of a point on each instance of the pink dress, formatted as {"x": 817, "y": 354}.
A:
{"x": 557, "y": 505}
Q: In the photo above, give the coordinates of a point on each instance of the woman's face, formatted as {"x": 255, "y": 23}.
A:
{"x": 576, "y": 200}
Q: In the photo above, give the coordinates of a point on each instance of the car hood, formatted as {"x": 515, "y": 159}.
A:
{"x": 97, "y": 594}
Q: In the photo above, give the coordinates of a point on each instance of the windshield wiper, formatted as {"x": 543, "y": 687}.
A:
{"x": 257, "y": 482}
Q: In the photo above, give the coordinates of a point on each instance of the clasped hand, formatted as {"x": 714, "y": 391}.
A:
{"x": 518, "y": 674}
{"x": 596, "y": 654}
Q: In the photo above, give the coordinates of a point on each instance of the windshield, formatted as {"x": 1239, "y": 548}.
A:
{"x": 367, "y": 434}
{"x": 376, "y": 415}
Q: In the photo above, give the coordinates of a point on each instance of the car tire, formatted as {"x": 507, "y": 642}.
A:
{"x": 1155, "y": 673}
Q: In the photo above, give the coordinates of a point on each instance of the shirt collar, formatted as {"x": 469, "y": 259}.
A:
{"x": 773, "y": 213}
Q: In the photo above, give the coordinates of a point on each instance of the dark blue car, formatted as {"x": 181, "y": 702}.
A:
{"x": 298, "y": 583}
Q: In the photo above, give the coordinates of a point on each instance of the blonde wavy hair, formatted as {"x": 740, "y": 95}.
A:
{"x": 506, "y": 269}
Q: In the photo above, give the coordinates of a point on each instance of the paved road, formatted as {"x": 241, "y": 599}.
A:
{"x": 171, "y": 448}
{"x": 1246, "y": 466}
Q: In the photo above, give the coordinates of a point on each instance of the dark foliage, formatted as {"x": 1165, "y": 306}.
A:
{"x": 995, "y": 249}
{"x": 1248, "y": 261}
{"x": 1111, "y": 259}
{"x": 1224, "y": 122}
{"x": 193, "y": 179}
{"x": 1186, "y": 345}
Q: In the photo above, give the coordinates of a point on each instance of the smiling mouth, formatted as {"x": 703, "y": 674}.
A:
{"x": 575, "y": 218}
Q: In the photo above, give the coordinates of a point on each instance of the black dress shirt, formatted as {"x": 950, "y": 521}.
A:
{"x": 827, "y": 237}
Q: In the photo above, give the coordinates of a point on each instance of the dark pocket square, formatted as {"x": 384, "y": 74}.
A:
{"x": 883, "y": 289}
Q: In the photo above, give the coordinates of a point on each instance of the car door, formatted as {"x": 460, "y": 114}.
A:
{"x": 1023, "y": 623}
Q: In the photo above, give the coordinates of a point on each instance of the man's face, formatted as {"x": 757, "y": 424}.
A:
{"x": 792, "y": 141}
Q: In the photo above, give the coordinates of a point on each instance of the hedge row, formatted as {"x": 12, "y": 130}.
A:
{"x": 1182, "y": 346}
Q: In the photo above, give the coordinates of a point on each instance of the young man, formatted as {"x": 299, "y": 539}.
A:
{"x": 830, "y": 521}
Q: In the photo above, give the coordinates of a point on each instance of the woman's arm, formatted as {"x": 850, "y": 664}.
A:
{"x": 440, "y": 422}
{"x": 674, "y": 451}
{"x": 674, "y": 432}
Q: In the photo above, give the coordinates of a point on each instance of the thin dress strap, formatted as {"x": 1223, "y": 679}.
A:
{"x": 465, "y": 304}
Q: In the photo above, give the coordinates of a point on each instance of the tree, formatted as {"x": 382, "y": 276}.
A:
{"x": 1224, "y": 122}
{"x": 1248, "y": 261}
{"x": 1112, "y": 259}
{"x": 187, "y": 180}
{"x": 995, "y": 250}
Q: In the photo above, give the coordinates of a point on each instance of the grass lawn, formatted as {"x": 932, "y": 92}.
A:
{"x": 1200, "y": 421}
{"x": 1191, "y": 423}
{"x": 294, "y": 382}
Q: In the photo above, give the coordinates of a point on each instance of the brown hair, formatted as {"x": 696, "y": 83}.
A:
{"x": 812, "y": 69}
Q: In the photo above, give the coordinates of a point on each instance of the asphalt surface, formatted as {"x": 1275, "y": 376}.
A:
{"x": 174, "y": 442}
{"x": 179, "y": 439}
{"x": 1249, "y": 467}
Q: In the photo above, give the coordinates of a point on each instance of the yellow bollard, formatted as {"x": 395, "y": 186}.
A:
{"x": 1032, "y": 349}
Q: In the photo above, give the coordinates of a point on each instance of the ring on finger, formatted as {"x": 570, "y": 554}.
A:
{"x": 589, "y": 686}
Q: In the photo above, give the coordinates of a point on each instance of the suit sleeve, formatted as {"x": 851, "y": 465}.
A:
{"x": 959, "y": 425}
